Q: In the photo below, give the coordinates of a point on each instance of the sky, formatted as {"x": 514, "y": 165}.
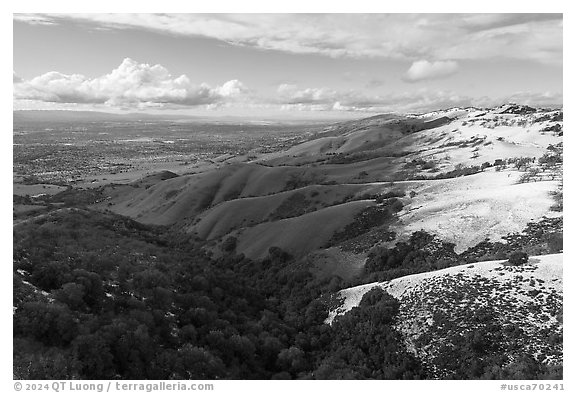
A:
{"x": 285, "y": 65}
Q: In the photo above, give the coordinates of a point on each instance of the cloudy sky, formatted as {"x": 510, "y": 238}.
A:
{"x": 285, "y": 65}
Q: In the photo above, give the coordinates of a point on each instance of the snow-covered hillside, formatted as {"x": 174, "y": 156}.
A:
{"x": 544, "y": 267}
{"x": 438, "y": 305}
{"x": 466, "y": 210}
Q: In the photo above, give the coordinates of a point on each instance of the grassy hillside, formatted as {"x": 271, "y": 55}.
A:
{"x": 298, "y": 235}
{"x": 172, "y": 200}
{"x": 229, "y": 215}
{"x": 461, "y": 173}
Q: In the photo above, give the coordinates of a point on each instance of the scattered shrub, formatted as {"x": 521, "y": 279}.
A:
{"x": 518, "y": 258}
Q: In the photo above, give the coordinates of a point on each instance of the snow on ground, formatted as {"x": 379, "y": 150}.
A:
{"x": 547, "y": 268}
{"x": 471, "y": 140}
{"x": 451, "y": 112}
{"x": 465, "y": 210}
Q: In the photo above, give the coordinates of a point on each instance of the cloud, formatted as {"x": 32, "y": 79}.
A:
{"x": 138, "y": 85}
{"x": 290, "y": 97}
{"x": 546, "y": 99}
{"x": 424, "y": 70}
{"x": 290, "y": 94}
{"x": 535, "y": 37}
{"x": 323, "y": 98}
{"x": 534, "y": 99}
{"x": 131, "y": 84}
{"x": 34, "y": 19}
{"x": 483, "y": 22}
{"x": 232, "y": 88}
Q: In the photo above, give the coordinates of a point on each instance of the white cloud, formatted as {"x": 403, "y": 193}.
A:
{"x": 291, "y": 94}
{"x": 534, "y": 99}
{"x": 424, "y": 70}
{"x": 290, "y": 97}
{"x": 34, "y": 19}
{"x": 144, "y": 86}
{"x": 131, "y": 84}
{"x": 232, "y": 88}
{"x": 403, "y": 36}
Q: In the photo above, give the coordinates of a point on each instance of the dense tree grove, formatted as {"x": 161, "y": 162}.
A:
{"x": 368, "y": 218}
{"x": 422, "y": 252}
{"x": 101, "y": 296}
{"x": 98, "y": 295}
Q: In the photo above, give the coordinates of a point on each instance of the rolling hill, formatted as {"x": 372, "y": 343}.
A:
{"x": 377, "y": 248}
{"x": 457, "y": 172}
{"x": 439, "y": 307}
{"x": 299, "y": 235}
